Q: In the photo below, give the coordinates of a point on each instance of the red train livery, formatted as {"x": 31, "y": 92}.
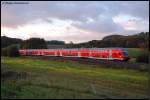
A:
{"x": 95, "y": 53}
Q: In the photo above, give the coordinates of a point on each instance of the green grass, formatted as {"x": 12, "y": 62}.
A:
{"x": 51, "y": 79}
{"x": 134, "y": 52}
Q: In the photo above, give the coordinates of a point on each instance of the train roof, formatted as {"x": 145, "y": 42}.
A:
{"x": 112, "y": 48}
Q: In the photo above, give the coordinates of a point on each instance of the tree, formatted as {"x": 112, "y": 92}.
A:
{"x": 55, "y": 42}
{"x": 34, "y": 43}
{"x": 144, "y": 57}
{"x": 7, "y": 41}
{"x": 131, "y": 41}
{"x": 144, "y": 45}
{"x": 4, "y": 52}
{"x": 11, "y": 51}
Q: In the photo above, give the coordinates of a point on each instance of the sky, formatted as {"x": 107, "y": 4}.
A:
{"x": 76, "y": 21}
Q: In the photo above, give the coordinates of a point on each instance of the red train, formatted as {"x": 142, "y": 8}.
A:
{"x": 95, "y": 53}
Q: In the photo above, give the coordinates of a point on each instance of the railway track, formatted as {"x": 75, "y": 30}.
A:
{"x": 103, "y": 63}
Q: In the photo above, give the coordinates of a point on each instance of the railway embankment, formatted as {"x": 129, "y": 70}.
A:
{"x": 103, "y": 63}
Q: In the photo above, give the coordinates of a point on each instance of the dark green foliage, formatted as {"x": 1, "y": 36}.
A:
{"x": 4, "y": 51}
{"x": 56, "y": 46}
{"x": 55, "y": 42}
{"x": 34, "y": 43}
{"x": 6, "y": 41}
{"x": 133, "y": 41}
{"x": 144, "y": 57}
{"x": 11, "y": 51}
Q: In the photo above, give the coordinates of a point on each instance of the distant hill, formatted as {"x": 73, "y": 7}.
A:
{"x": 56, "y": 46}
{"x": 136, "y": 40}
{"x": 112, "y": 37}
{"x": 55, "y": 42}
{"x": 6, "y": 41}
{"x": 131, "y": 41}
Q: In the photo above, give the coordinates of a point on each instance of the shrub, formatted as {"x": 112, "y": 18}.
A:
{"x": 4, "y": 52}
{"x": 11, "y": 51}
{"x": 144, "y": 57}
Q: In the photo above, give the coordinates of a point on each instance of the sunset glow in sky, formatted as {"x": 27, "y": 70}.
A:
{"x": 77, "y": 21}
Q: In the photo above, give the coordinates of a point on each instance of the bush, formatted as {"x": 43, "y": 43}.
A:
{"x": 11, "y": 51}
{"x": 144, "y": 57}
{"x": 4, "y": 52}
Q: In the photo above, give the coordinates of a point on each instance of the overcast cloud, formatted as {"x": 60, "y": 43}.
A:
{"x": 76, "y": 21}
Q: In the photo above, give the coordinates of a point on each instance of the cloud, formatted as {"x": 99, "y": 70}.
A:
{"x": 132, "y": 23}
{"x": 78, "y": 11}
{"x": 66, "y": 19}
{"x": 102, "y": 24}
{"x": 50, "y": 31}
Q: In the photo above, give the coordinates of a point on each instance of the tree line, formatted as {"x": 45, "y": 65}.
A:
{"x": 32, "y": 43}
{"x": 140, "y": 40}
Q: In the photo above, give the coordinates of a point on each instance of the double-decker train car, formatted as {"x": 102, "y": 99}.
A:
{"x": 95, "y": 53}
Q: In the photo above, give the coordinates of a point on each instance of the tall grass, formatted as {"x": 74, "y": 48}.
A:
{"x": 51, "y": 79}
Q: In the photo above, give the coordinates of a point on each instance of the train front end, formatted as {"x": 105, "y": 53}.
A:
{"x": 125, "y": 55}
{"x": 120, "y": 54}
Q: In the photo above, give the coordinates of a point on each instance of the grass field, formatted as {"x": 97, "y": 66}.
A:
{"x": 24, "y": 77}
{"x": 134, "y": 52}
